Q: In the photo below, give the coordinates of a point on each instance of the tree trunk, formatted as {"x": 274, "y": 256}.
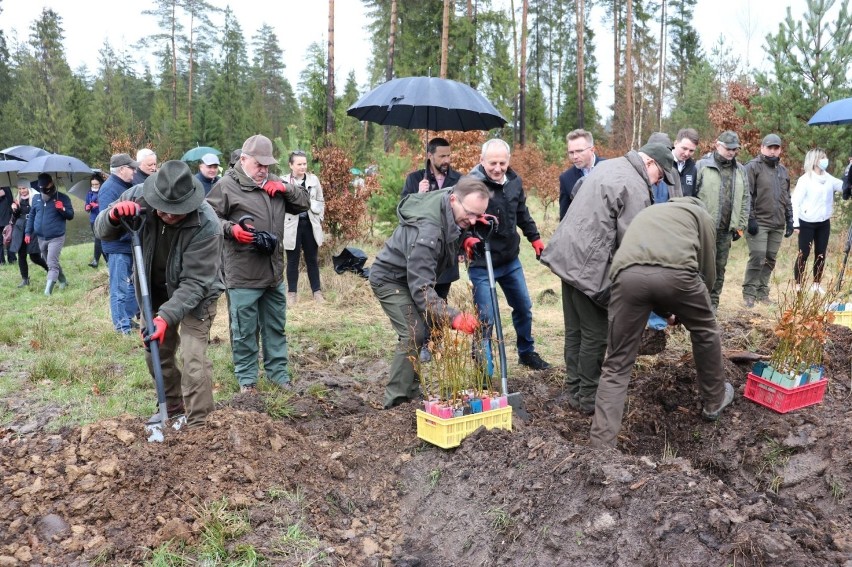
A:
{"x": 522, "y": 94}
{"x": 471, "y": 17}
{"x": 329, "y": 95}
{"x": 515, "y": 59}
{"x": 389, "y": 68}
{"x": 189, "y": 76}
{"x": 174, "y": 61}
{"x": 628, "y": 77}
{"x": 616, "y": 49}
{"x": 445, "y": 39}
{"x": 581, "y": 65}
{"x": 662, "y": 65}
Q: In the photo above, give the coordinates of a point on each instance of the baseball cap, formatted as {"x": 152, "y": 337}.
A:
{"x": 664, "y": 158}
{"x": 260, "y": 148}
{"x": 209, "y": 159}
{"x": 729, "y": 139}
{"x": 44, "y": 179}
{"x": 661, "y": 138}
{"x": 771, "y": 140}
{"x": 120, "y": 160}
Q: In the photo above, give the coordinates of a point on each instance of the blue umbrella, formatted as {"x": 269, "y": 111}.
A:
{"x": 836, "y": 113}
{"x": 65, "y": 170}
{"x": 427, "y": 103}
{"x": 195, "y": 154}
{"x": 23, "y": 153}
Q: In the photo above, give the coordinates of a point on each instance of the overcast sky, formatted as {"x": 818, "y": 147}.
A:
{"x": 743, "y": 23}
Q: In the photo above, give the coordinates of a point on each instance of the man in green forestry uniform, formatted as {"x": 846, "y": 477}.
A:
{"x": 403, "y": 277}
{"x": 722, "y": 186}
{"x": 663, "y": 265}
{"x": 182, "y": 252}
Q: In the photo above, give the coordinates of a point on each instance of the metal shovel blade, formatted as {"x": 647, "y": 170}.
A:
{"x": 155, "y": 432}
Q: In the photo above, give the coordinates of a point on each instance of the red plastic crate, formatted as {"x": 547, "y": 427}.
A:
{"x": 780, "y": 399}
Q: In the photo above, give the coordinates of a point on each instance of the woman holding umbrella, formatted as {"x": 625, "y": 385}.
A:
{"x": 813, "y": 200}
{"x": 20, "y": 213}
{"x": 50, "y": 211}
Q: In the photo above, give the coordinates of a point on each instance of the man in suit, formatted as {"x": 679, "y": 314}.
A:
{"x": 581, "y": 152}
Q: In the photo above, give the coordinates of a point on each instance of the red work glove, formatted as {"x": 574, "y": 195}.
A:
{"x": 27, "y": 239}
{"x": 159, "y": 333}
{"x": 124, "y": 209}
{"x": 59, "y": 205}
{"x": 469, "y": 244}
{"x": 88, "y": 207}
{"x": 485, "y": 218}
{"x": 538, "y": 246}
{"x": 466, "y": 323}
{"x": 273, "y": 188}
{"x": 242, "y": 235}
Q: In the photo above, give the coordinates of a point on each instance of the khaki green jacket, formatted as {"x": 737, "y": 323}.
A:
{"x": 708, "y": 189}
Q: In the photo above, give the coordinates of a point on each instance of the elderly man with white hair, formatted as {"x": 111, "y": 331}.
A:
{"x": 147, "y": 160}
{"x": 508, "y": 204}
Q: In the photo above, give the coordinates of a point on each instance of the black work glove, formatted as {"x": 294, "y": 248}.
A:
{"x": 264, "y": 242}
{"x": 735, "y": 235}
{"x": 789, "y": 230}
{"x": 752, "y": 227}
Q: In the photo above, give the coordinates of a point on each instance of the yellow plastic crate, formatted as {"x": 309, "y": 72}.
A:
{"x": 843, "y": 318}
{"x": 449, "y": 433}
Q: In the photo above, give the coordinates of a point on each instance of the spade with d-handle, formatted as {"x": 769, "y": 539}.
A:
{"x": 515, "y": 399}
{"x": 134, "y": 225}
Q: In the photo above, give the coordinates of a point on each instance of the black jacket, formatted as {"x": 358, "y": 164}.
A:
{"x": 509, "y": 204}
{"x": 567, "y": 181}
{"x": 414, "y": 178}
{"x": 688, "y": 177}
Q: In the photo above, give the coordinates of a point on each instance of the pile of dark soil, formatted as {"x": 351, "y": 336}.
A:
{"x": 755, "y": 488}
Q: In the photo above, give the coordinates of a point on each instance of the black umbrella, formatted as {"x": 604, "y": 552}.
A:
{"x": 427, "y": 103}
{"x": 23, "y": 153}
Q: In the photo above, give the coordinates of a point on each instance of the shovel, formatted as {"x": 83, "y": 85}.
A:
{"x": 514, "y": 399}
{"x": 134, "y": 226}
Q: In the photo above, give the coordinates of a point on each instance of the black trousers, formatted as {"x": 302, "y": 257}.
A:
{"x": 304, "y": 243}
{"x": 22, "y": 262}
{"x": 814, "y": 234}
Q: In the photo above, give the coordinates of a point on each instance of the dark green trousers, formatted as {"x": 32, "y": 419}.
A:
{"x": 762, "y": 252}
{"x": 398, "y": 305}
{"x": 723, "y": 248}
{"x": 585, "y": 343}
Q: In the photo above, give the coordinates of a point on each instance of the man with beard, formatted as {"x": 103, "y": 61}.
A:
{"x": 439, "y": 174}
{"x": 722, "y": 186}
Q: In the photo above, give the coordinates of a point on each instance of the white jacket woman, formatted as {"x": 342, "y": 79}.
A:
{"x": 303, "y": 232}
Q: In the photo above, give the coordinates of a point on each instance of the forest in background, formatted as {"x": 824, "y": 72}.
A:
{"x": 535, "y": 61}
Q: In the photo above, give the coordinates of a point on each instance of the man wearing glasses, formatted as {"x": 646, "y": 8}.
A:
{"x": 122, "y": 297}
{"x": 581, "y": 251}
{"x": 405, "y": 272}
{"x": 581, "y": 152}
{"x": 251, "y": 204}
{"x": 722, "y": 185}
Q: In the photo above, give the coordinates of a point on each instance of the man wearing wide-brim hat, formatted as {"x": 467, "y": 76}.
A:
{"x": 182, "y": 250}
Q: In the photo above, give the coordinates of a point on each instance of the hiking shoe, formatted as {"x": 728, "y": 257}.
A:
{"x": 248, "y": 389}
{"x": 585, "y": 409}
{"x": 749, "y": 301}
{"x": 318, "y": 297}
{"x": 533, "y": 360}
{"x": 818, "y": 288}
{"x": 291, "y": 297}
{"x": 726, "y": 401}
{"x": 93, "y": 264}
{"x": 765, "y": 301}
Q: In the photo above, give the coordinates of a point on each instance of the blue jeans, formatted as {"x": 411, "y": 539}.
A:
{"x": 122, "y": 297}
{"x": 510, "y": 277}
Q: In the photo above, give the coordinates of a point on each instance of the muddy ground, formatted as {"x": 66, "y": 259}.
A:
{"x": 755, "y": 488}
